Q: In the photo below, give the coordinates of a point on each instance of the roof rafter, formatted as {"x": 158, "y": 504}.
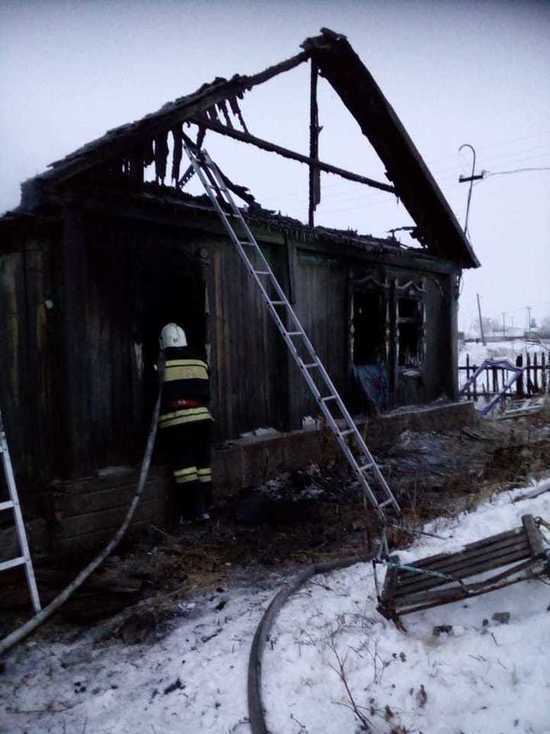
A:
{"x": 270, "y": 147}
{"x": 436, "y": 226}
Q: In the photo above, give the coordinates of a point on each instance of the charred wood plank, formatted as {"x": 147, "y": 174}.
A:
{"x": 411, "y": 606}
{"x": 438, "y": 228}
{"x": 177, "y": 153}
{"x": 314, "y": 129}
{"x": 459, "y": 559}
{"x": 512, "y": 555}
{"x": 471, "y": 546}
{"x": 76, "y": 368}
{"x": 292, "y": 155}
{"x": 436, "y": 597}
{"x": 247, "y": 82}
{"x": 115, "y": 142}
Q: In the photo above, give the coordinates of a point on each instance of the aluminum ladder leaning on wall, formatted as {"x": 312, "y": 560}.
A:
{"x": 366, "y": 470}
{"x": 13, "y": 504}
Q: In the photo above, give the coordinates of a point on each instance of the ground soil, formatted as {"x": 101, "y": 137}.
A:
{"x": 292, "y": 521}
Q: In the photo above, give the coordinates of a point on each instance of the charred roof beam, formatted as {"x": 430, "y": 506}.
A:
{"x": 290, "y": 154}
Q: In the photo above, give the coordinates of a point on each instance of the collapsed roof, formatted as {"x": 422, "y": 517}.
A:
{"x": 145, "y": 141}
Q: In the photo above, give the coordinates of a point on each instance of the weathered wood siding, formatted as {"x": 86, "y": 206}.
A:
{"x": 322, "y": 305}
{"x": 248, "y": 359}
{"x": 27, "y": 344}
{"x": 123, "y": 281}
{"x": 439, "y": 366}
{"x": 80, "y": 317}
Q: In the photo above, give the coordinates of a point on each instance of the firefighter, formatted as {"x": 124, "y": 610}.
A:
{"x": 185, "y": 422}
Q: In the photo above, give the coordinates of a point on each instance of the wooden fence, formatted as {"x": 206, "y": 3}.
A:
{"x": 492, "y": 380}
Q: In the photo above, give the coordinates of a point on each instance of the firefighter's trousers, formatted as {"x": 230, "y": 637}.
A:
{"x": 188, "y": 446}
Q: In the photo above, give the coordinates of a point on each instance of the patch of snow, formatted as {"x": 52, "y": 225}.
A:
{"x": 480, "y": 676}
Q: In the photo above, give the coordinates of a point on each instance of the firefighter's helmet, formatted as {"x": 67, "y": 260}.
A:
{"x": 172, "y": 335}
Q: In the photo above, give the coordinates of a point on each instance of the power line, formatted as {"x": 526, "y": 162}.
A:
{"x": 515, "y": 170}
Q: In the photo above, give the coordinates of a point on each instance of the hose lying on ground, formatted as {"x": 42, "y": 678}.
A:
{"x": 19, "y": 634}
{"x": 254, "y": 688}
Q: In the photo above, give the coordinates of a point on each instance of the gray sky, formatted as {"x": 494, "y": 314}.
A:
{"x": 473, "y": 72}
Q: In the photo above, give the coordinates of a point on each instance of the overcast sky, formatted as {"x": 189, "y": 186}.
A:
{"x": 468, "y": 72}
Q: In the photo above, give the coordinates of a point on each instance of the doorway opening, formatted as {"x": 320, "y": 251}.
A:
{"x": 172, "y": 290}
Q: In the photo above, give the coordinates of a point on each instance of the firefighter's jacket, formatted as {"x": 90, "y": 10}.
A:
{"x": 186, "y": 388}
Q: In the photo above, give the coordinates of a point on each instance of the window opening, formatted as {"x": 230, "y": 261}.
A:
{"x": 369, "y": 327}
{"x": 410, "y": 332}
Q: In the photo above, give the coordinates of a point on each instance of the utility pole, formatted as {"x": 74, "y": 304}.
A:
{"x": 503, "y": 323}
{"x": 480, "y": 321}
{"x": 528, "y": 319}
{"x": 465, "y": 179}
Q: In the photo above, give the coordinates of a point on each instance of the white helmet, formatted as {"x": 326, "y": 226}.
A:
{"x": 172, "y": 335}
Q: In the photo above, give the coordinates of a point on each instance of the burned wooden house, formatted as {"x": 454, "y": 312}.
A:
{"x": 96, "y": 259}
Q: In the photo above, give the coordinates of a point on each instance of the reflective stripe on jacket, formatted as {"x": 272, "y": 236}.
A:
{"x": 189, "y": 415}
{"x": 185, "y": 379}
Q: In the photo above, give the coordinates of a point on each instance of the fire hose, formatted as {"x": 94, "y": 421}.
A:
{"x": 254, "y": 686}
{"x": 26, "y": 629}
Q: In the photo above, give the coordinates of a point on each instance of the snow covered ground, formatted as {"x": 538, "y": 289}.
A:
{"x": 484, "y": 676}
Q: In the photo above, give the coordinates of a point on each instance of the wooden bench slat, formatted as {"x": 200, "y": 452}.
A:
{"x": 495, "y": 541}
{"x": 458, "y": 563}
{"x": 459, "y": 560}
{"x": 436, "y": 597}
{"x": 488, "y": 564}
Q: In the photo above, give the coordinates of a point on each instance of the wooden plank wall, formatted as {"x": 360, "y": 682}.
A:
{"x": 27, "y": 384}
{"x": 322, "y": 304}
{"x": 247, "y": 351}
{"x": 85, "y": 401}
{"x": 135, "y": 281}
{"x": 437, "y": 370}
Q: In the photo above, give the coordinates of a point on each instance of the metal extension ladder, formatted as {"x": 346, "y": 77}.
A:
{"x": 374, "y": 486}
{"x": 13, "y": 504}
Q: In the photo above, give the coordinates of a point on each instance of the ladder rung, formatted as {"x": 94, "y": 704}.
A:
{"x": 12, "y": 564}
{"x": 389, "y": 501}
{"x": 262, "y": 272}
{"x": 294, "y": 333}
{"x": 366, "y": 466}
{"x": 249, "y": 243}
{"x": 310, "y": 366}
{"x": 278, "y": 303}
{"x": 6, "y": 505}
{"x": 347, "y": 432}
{"x": 328, "y": 397}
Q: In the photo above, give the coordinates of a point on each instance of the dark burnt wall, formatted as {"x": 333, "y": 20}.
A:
{"x": 123, "y": 281}
{"x": 440, "y": 369}
{"x": 29, "y": 366}
{"x": 81, "y": 313}
{"x": 247, "y": 355}
{"x": 322, "y": 305}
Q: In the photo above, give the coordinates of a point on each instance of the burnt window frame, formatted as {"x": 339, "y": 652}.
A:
{"x": 413, "y": 291}
{"x": 371, "y": 284}
{"x": 394, "y": 287}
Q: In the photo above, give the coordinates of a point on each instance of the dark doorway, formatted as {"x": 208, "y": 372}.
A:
{"x": 172, "y": 290}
